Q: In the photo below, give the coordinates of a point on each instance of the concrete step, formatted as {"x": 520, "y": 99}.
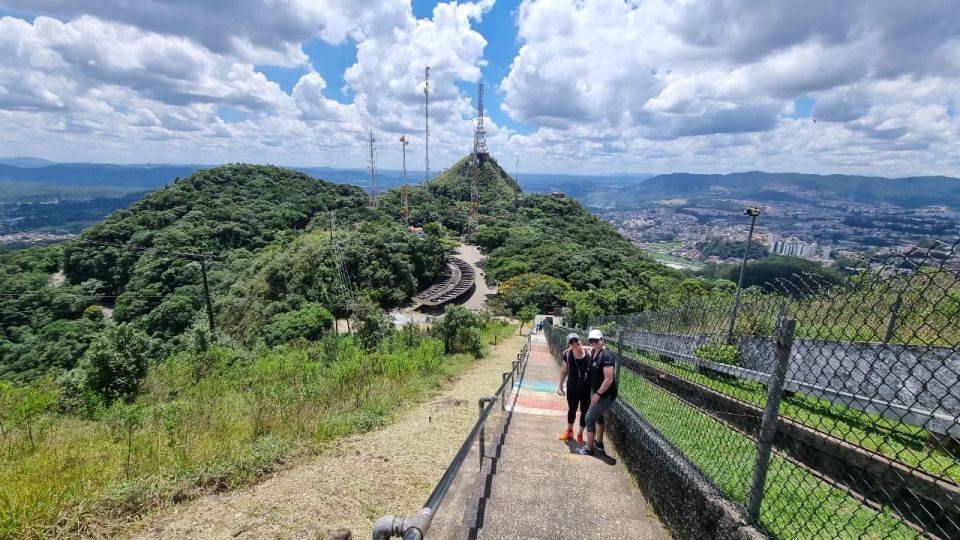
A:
{"x": 541, "y": 519}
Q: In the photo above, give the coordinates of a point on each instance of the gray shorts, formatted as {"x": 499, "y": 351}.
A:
{"x": 595, "y": 413}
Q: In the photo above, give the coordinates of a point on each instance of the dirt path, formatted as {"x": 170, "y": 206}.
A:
{"x": 472, "y": 255}
{"x": 389, "y": 471}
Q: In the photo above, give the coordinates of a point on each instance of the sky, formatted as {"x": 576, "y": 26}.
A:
{"x": 572, "y": 86}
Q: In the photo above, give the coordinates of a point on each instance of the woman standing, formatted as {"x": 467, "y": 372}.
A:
{"x": 603, "y": 388}
{"x": 575, "y": 371}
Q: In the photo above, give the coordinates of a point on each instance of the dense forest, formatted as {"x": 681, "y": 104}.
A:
{"x": 725, "y": 249}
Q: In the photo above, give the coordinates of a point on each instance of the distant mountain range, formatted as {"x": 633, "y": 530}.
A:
{"x": 624, "y": 190}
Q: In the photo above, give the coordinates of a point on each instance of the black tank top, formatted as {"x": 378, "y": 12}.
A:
{"x": 578, "y": 374}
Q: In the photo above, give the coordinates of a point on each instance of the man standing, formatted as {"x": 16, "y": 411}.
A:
{"x": 603, "y": 385}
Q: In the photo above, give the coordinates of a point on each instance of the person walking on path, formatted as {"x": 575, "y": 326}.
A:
{"x": 603, "y": 387}
{"x": 574, "y": 370}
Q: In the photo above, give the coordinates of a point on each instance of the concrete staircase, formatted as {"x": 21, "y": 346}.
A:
{"x": 532, "y": 485}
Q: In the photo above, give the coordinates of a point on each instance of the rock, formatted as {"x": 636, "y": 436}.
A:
{"x": 339, "y": 534}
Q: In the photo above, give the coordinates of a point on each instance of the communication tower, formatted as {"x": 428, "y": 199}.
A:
{"x": 426, "y": 121}
{"x": 479, "y": 152}
{"x": 373, "y": 171}
{"x": 403, "y": 191}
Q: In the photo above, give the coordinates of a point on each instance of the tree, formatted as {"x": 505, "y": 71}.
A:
{"x": 526, "y": 314}
{"x": 116, "y": 362}
{"x": 370, "y": 324}
{"x": 124, "y": 419}
{"x": 532, "y": 289}
{"x": 460, "y": 331}
{"x": 309, "y": 322}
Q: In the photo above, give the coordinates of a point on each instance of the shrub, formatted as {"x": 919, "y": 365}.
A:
{"x": 309, "y": 322}
{"x": 459, "y": 329}
{"x": 718, "y": 352}
{"x": 114, "y": 364}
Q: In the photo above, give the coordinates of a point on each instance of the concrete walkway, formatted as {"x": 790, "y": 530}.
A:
{"x": 533, "y": 485}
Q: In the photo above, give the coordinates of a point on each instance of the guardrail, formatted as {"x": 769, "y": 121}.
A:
{"x": 416, "y": 527}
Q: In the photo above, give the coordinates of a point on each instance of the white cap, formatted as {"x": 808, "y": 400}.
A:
{"x": 572, "y": 335}
{"x": 595, "y": 334}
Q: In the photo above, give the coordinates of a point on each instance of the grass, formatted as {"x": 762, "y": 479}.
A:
{"x": 796, "y": 505}
{"x": 210, "y": 421}
{"x": 896, "y": 440}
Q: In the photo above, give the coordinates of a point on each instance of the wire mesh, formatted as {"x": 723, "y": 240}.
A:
{"x": 867, "y": 439}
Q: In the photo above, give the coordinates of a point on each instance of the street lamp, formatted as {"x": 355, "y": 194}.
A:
{"x": 753, "y": 212}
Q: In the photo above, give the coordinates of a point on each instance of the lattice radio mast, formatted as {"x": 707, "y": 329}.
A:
{"x": 373, "y": 171}
{"x": 479, "y": 151}
{"x": 426, "y": 121}
{"x": 403, "y": 191}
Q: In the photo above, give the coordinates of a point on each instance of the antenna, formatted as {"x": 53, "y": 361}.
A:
{"x": 479, "y": 149}
{"x": 426, "y": 120}
{"x": 373, "y": 171}
{"x": 479, "y": 134}
{"x": 403, "y": 191}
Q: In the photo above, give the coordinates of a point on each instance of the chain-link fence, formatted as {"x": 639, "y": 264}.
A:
{"x": 863, "y": 443}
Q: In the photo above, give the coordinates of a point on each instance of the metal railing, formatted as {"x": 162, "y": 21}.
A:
{"x": 416, "y": 527}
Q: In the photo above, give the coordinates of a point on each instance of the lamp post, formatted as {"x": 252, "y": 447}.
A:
{"x": 753, "y": 212}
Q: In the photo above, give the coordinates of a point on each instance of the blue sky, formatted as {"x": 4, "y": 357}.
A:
{"x": 591, "y": 87}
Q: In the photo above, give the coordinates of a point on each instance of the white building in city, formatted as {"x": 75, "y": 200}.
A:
{"x": 792, "y": 247}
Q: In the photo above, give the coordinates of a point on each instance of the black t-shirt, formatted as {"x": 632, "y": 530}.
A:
{"x": 597, "y": 362}
{"x": 578, "y": 371}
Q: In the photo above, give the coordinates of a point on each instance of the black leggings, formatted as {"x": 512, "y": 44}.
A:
{"x": 577, "y": 398}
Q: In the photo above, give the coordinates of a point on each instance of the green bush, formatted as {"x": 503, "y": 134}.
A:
{"x": 460, "y": 331}
{"x": 115, "y": 363}
{"x": 309, "y": 322}
{"x": 718, "y": 352}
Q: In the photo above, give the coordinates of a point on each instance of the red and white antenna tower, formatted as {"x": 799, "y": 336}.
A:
{"x": 426, "y": 120}
{"x": 403, "y": 191}
{"x": 373, "y": 171}
{"x": 479, "y": 152}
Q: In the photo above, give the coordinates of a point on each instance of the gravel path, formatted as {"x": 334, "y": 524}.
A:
{"x": 389, "y": 471}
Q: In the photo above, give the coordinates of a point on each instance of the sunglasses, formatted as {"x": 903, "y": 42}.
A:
{"x": 593, "y": 340}
{"x": 574, "y": 341}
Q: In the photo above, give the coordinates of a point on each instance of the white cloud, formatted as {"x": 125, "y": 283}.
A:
{"x": 679, "y": 80}
{"x": 608, "y": 85}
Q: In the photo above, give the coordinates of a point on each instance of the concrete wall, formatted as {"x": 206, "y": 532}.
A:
{"x": 923, "y": 377}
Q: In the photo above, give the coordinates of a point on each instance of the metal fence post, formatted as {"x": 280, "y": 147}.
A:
{"x": 619, "y": 353}
{"x": 768, "y": 427}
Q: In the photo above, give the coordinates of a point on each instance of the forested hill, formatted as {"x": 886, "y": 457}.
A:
{"x": 272, "y": 265}
{"x": 268, "y": 230}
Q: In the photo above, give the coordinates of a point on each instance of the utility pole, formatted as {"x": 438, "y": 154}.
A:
{"x": 426, "y": 121}
{"x": 206, "y": 291}
{"x": 373, "y": 172}
{"x": 404, "y": 203}
{"x": 753, "y": 212}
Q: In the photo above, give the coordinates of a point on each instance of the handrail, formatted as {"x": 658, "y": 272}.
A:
{"x": 414, "y": 528}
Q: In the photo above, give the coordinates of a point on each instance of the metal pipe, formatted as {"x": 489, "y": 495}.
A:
{"x": 753, "y": 213}
{"x": 410, "y": 528}
{"x": 482, "y": 422}
{"x": 771, "y": 411}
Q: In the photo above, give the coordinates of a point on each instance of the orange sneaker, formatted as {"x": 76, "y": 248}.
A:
{"x": 580, "y": 438}
{"x": 566, "y": 435}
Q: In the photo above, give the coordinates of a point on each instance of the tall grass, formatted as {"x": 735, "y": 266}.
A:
{"x": 797, "y": 504}
{"x": 208, "y": 421}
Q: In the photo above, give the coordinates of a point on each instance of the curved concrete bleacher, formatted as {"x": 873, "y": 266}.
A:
{"x": 460, "y": 280}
